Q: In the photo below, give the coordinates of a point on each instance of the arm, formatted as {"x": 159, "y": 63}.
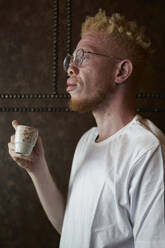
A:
{"x": 48, "y": 193}
{"x": 147, "y": 198}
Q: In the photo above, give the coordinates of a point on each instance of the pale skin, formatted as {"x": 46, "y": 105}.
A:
{"x": 37, "y": 168}
{"x": 117, "y": 109}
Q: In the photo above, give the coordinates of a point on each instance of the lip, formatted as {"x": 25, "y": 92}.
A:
{"x": 71, "y": 86}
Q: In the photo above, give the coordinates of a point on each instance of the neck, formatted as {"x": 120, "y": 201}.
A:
{"x": 113, "y": 114}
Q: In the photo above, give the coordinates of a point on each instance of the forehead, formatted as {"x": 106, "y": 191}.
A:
{"x": 94, "y": 41}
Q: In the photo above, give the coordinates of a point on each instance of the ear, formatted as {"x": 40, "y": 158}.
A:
{"x": 123, "y": 71}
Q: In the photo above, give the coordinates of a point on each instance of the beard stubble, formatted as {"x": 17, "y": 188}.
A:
{"x": 89, "y": 104}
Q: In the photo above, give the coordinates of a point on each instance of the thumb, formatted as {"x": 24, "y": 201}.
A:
{"x": 38, "y": 148}
{"x": 15, "y": 123}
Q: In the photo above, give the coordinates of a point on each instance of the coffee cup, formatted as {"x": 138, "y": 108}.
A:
{"x": 25, "y": 139}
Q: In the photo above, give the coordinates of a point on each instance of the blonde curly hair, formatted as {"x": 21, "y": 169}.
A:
{"x": 126, "y": 34}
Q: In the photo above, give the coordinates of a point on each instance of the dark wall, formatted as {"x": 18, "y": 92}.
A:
{"x": 26, "y": 66}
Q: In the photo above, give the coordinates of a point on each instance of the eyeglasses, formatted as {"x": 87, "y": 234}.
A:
{"x": 79, "y": 57}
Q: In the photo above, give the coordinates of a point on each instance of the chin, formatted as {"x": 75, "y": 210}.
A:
{"x": 83, "y": 106}
{"x": 77, "y": 106}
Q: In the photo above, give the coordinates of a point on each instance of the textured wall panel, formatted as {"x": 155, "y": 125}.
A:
{"x": 28, "y": 68}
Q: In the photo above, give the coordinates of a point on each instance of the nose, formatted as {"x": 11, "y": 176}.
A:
{"x": 73, "y": 70}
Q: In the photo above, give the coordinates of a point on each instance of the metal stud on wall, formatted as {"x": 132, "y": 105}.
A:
{"x": 55, "y": 94}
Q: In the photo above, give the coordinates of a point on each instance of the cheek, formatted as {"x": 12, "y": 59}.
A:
{"x": 85, "y": 77}
{"x": 95, "y": 77}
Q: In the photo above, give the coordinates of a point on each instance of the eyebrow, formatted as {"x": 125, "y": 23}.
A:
{"x": 90, "y": 48}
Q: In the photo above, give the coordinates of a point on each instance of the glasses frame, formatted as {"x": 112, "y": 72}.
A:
{"x": 73, "y": 58}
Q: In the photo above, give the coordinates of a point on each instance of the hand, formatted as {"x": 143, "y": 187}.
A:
{"x": 32, "y": 162}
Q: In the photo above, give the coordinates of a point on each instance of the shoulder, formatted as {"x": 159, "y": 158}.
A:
{"x": 144, "y": 134}
{"x": 138, "y": 139}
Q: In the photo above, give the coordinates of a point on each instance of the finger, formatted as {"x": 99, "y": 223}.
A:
{"x": 15, "y": 156}
{"x": 24, "y": 164}
{"x": 22, "y": 158}
{"x": 11, "y": 146}
{"x": 15, "y": 123}
{"x": 12, "y": 138}
{"x": 38, "y": 146}
{"x": 39, "y": 141}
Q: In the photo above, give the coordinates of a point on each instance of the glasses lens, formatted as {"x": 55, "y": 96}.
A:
{"x": 66, "y": 62}
{"x": 79, "y": 57}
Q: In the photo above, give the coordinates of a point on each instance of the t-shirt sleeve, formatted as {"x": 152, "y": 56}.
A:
{"x": 147, "y": 199}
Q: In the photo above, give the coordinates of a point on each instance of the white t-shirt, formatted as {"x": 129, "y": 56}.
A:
{"x": 116, "y": 192}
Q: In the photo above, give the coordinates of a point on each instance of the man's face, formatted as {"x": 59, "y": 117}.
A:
{"x": 90, "y": 83}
